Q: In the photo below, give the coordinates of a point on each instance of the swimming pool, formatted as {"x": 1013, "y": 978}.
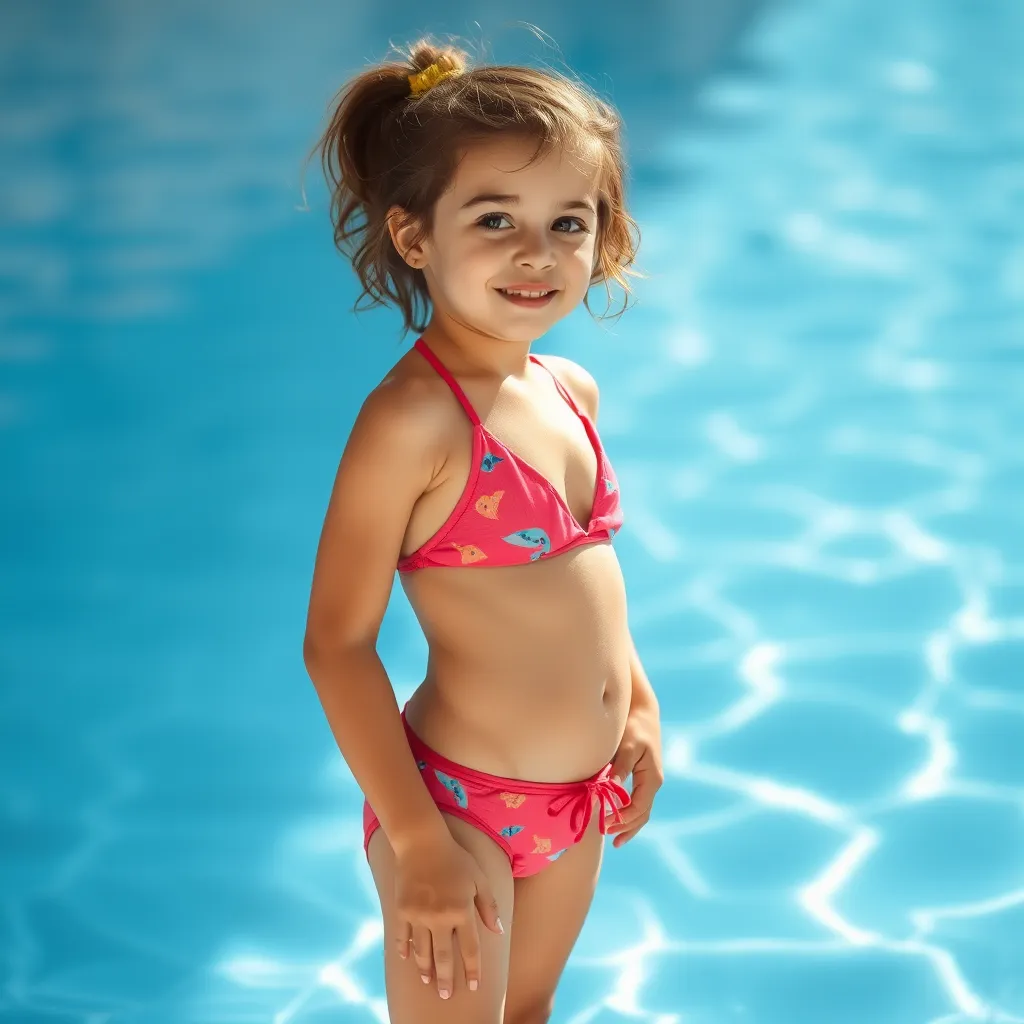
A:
{"x": 815, "y": 414}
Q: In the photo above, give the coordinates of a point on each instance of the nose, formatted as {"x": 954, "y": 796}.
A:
{"x": 535, "y": 251}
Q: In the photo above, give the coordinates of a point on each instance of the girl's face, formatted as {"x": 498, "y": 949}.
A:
{"x": 505, "y": 225}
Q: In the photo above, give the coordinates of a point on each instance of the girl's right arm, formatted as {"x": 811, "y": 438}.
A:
{"x": 392, "y": 454}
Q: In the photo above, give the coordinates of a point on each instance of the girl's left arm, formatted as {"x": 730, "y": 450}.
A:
{"x": 639, "y": 753}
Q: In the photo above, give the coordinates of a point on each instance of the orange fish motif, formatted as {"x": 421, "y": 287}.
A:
{"x": 543, "y": 844}
{"x": 512, "y": 800}
{"x": 487, "y": 504}
{"x": 470, "y": 553}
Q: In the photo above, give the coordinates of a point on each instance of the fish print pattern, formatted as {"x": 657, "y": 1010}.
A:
{"x": 555, "y": 856}
{"x": 533, "y": 538}
{"x": 513, "y": 800}
{"x": 470, "y": 553}
{"x": 490, "y": 461}
{"x": 454, "y": 787}
{"x": 487, "y": 504}
{"x": 511, "y": 830}
{"x": 542, "y": 844}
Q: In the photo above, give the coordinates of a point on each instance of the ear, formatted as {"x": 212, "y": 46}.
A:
{"x": 404, "y": 230}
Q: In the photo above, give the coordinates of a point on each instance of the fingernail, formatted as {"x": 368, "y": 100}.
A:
{"x": 444, "y": 993}
{"x": 426, "y": 979}
{"x": 501, "y": 927}
{"x": 473, "y": 984}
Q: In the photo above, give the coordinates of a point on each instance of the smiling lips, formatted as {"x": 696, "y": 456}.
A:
{"x": 527, "y": 289}
{"x": 528, "y": 299}
{"x": 528, "y": 294}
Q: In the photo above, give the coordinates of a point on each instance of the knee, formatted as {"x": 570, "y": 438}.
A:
{"x": 537, "y": 1012}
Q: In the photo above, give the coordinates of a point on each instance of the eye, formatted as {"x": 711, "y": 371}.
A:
{"x": 486, "y": 222}
{"x": 482, "y": 222}
{"x": 573, "y": 220}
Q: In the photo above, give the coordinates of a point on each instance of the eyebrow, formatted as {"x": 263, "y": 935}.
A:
{"x": 498, "y": 197}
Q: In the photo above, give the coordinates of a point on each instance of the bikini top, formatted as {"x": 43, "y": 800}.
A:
{"x": 510, "y": 514}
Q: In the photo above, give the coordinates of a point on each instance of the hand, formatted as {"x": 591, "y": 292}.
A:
{"x": 639, "y": 753}
{"x": 439, "y": 890}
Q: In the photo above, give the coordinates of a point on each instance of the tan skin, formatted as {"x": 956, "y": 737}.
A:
{"x": 529, "y": 669}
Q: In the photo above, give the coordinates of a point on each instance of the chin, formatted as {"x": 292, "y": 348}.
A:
{"x": 524, "y": 337}
{"x": 514, "y": 334}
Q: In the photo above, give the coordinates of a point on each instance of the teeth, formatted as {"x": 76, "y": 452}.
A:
{"x": 528, "y": 295}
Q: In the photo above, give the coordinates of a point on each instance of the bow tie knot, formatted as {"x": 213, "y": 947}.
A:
{"x": 581, "y": 800}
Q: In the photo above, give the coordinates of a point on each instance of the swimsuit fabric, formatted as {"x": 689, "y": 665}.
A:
{"x": 533, "y": 822}
{"x": 510, "y": 514}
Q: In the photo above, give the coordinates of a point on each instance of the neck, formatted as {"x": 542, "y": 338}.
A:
{"x": 460, "y": 346}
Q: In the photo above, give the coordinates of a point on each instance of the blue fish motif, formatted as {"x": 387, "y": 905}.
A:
{"x": 454, "y": 786}
{"x": 555, "y": 856}
{"x": 533, "y": 538}
{"x": 490, "y": 461}
{"x": 609, "y": 485}
{"x": 511, "y": 830}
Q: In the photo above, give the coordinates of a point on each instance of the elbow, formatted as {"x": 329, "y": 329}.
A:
{"x": 310, "y": 652}
{"x": 318, "y": 652}
{"x": 318, "y": 647}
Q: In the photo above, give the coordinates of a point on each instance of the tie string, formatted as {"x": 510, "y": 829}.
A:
{"x": 582, "y": 803}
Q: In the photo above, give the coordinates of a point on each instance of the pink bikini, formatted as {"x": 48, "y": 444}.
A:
{"x": 509, "y": 514}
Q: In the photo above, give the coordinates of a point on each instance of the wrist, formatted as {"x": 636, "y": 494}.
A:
{"x": 643, "y": 698}
{"x": 429, "y": 831}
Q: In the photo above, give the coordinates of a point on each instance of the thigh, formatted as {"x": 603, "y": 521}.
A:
{"x": 409, "y": 1000}
{"x": 550, "y": 908}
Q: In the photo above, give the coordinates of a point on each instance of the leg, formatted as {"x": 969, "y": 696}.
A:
{"x": 550, "y": 908}
{"x": 409, "y": 1000}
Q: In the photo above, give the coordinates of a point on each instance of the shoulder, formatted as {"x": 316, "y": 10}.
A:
{"x": 577, "y": 381}
{"x": 408, "y": 412}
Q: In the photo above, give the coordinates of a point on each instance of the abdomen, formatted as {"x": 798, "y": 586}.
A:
{"x": 529, "y": 665}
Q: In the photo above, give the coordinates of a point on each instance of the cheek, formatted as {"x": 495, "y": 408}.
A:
{"x": 474, "y": 258}
{"x": 585, "y": 258}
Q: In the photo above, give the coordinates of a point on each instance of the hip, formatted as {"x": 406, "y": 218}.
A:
{"x": 541, "y": 729}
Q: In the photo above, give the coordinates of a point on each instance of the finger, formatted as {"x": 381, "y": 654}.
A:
{"x": 639, "y": 803}
{"x": 403, "y": 935}
{"x": 640, "y": 800}
{"x": 621, "y": 840}
{"x": 422, "y": 953}
{"x": 444, "y": 957}
{"x": 628, "y": 820}
{"x": 622, "y": 801}
{"x": 469, "y": 945}
{"x": 487, "y": 905}
{"x": 624, "y": 837}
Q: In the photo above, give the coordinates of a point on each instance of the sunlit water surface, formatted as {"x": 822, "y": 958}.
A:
{"x": 816, "y": 412}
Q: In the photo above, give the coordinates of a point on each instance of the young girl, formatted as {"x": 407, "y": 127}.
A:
{"x": 491, "y": 197}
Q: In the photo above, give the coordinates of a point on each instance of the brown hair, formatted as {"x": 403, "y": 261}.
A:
{"x": 384, "y": 147}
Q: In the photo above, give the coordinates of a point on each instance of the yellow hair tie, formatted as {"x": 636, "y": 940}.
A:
{"x": 444, "y": 67}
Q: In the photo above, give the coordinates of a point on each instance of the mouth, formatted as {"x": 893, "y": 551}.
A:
{"x": 531, "y": 298}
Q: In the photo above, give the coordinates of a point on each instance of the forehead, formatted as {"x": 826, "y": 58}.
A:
{"x": 503, "y": 165}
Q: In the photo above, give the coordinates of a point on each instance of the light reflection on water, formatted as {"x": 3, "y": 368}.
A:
{"x": 815, "y": 416}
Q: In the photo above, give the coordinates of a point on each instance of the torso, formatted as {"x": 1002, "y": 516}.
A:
{"x": 528, "y": 668}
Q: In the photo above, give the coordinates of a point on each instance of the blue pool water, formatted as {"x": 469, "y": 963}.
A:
{"x": 816, "y": 412}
